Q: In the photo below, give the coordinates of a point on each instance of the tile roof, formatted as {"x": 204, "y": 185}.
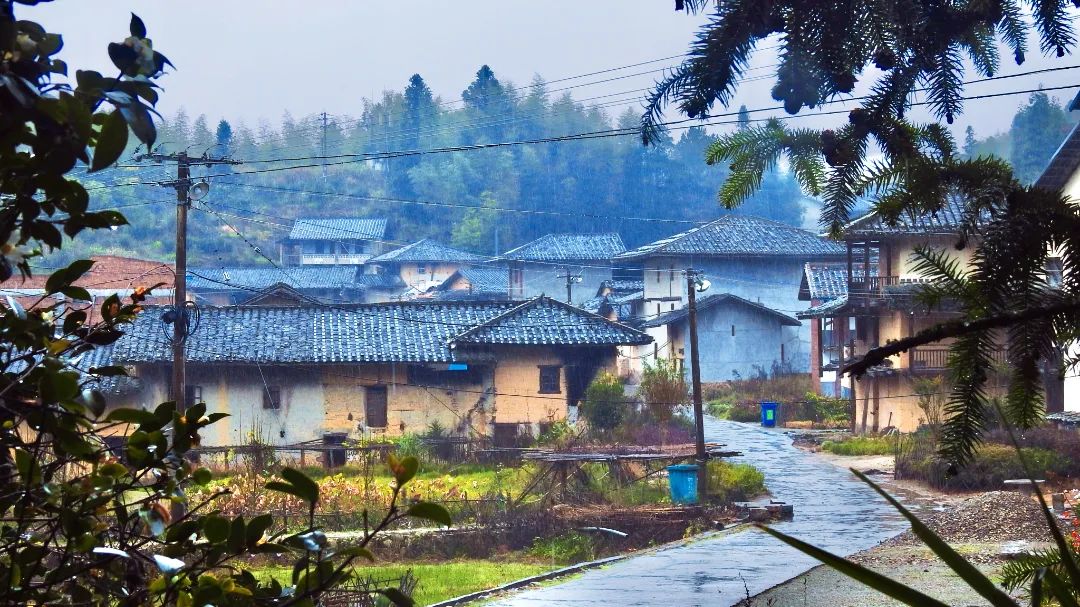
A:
{"x": 382, "y": 281}
{"x": 825, "y": 280}
{"x": 262, "y": 277}
{"x": 545, "y": 321}
{"x": 337, "y": 228}
{"x": 740, "y": 236}
{"x": 108, "y": 272}
{"x": 370, "y": 333}
{"x": 707, "y": 302}
{"x": 426, "y": 251}
{"x": 1063, "y": 164}
{"x": 569, "y": 247}
{"x": 946, "y": 221}
{"x": 824, "y": 310}
{"x": 484, "y": 279}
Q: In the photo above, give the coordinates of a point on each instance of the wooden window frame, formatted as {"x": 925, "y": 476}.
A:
{"x": 545, "y": 382}
{"x": 271, "y": 398}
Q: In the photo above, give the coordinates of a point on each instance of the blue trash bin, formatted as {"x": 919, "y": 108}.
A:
{"x": 768, "y": 413}
{"x": 682, "y": 479}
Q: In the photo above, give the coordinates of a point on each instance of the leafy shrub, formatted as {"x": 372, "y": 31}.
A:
{"x": 663, "y": 389}
{"x": 745, "y": 412}
{"x": 992, "y": 464}
{"x": 411, "y": 445}
{"x": 566, "y": 549}
{"x": 605, "y": 403}
{"x": 862, "y": 445}
{"x": 732, "y": 482}
{"x": 557, "y": 434}
{"x": 718, "y": 409}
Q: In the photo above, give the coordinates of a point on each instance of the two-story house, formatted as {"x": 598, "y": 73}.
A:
{"x": 564, "y": 266}
{"x": 754, "y": 261}
{"x": 293, "y": 371}
{"x": 333, "y": 240}
{"x": 422, "y": 265}
{"x": 879, "y": 305}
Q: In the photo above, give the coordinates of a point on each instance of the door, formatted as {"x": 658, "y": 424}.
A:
{"x": 375, "y": 406}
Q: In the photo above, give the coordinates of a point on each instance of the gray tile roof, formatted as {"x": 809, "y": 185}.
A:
{"x": 370, "y": 333}
{"x": 825, "y": 280}
{"x": 483, "y": 279}
{"x": 545, "y": 321}
{"x": 742, "y": 236}
{"x": 380, "y": 281}
{"x": 946, "y": 221}
{"x": 426, "y": 251}
{"x": 825, "y": 310}
{"x": 338, "y": 228}
{"x": 705, "y": 303}
{"x": 1063, "y": 164}
{"x": 569, "y": 247}
{"x": 262, "y": 277}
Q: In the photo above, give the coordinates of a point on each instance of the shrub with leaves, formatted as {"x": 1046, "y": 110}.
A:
{"x": 82, "y": 524}
{"x": 605, "y": 403}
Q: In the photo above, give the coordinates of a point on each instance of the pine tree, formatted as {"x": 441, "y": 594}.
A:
{"x": 485, "y": 93}
{"x": 1037, "y": 130}
{"x": 969, "y": 141}
{"x": 744, "y": 118}
{"x": 224, "y": 137}
{"x": 917, "y": 46}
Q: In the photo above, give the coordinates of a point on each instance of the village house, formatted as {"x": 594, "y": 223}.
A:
{"x": 1062, "y": 174}
{"x": 301, "y": 372}
{"x": 879, "y": 305}
{"x": 752, "y": 261}
{"x": 422, "y": 265}
{"x": 490, "y": 282}
{"x": 738, "y": 339}
{"x": 333, "y": 241}
{"x": 225, "y": 286}
{"x": 825, "y": 285}
{"x": 542, "y": 267}
{"x": 110, "y": 274}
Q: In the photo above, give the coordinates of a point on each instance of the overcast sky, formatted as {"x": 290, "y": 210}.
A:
{"x": 246, "y": 60}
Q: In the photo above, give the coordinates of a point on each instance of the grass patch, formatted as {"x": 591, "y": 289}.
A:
{"x": 565, "y": 549}
{"x": 861, "y": 445}
{"x": 734, "y": 482}
{"x": 437, "y": 581}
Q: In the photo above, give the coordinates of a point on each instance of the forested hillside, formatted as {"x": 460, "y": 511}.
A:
{"x": 482, "y": 200}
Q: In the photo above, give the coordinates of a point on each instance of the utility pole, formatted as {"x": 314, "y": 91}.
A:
{"x": 694, "y": 281}
{"x": 570, "y": 278}
{"x": 182, "y": 184}
{"x": 324, "y": 127}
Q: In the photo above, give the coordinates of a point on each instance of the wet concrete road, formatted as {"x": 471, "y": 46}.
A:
{"x": 833, "y": 510}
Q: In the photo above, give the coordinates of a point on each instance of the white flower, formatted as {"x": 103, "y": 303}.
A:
{"x": 13, "y": 252}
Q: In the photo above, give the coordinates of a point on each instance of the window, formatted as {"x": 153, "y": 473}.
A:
{"x": 781, "y": 353}
{"x": 375, "y": 406}
{"x": 733, "y": 330}
{"x": 272, "y": 397}
{"x": 658, "y": 272}
{"x": 421, "y": 269}
{"x": 193, "y": 394}
{"x": 549, "y": 379}
{"x": 1054, "y": 270}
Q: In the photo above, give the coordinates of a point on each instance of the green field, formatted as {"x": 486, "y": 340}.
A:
{"x": 438, "y": 582}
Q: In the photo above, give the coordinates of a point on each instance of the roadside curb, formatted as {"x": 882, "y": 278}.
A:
{"x": 572, "y": 569}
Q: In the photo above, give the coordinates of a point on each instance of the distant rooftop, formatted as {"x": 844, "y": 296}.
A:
{"x": 569, "y": 247}
{"x": 947, "y": 220}
{"x": 1063, "y": 164}
{"x": 741, "y": 236}
{"x": 824, "y": 280}
{"x": 338, "y": 228}
{"x": 492, "y": 279}
{"x": 262, "y": 277}
{"x": 426, "y": 251}
{"x": 705, "y": 303}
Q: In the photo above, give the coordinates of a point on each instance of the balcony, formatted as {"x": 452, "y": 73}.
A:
{"x": 877, "y": 287}
{"x": 936, "y": 359}
{"x": 327, "y": 259}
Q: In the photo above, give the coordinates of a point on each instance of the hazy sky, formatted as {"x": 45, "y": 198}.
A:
{"x": 248, "y": 59}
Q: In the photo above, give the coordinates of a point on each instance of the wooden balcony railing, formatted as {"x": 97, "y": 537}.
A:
{"x": 937, "y": 358}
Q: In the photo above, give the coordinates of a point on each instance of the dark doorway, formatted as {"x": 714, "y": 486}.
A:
{"x": 375, "y": 406}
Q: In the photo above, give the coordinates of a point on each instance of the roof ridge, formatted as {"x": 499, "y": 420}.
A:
{"x": 522, "y": 306}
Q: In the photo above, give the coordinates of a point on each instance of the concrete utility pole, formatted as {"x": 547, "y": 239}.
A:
{"x": 694, "y": 281}
{"x": 570, "y": 278}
